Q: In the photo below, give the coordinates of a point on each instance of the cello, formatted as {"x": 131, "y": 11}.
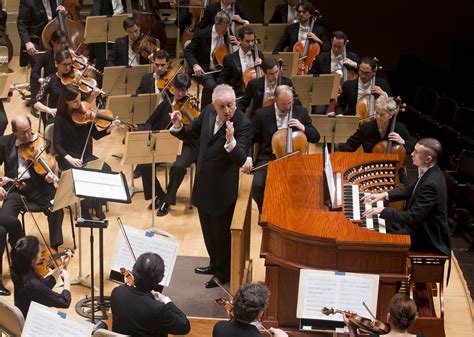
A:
{"x": 365, "y": 105}
{"x": 308, "y": 51}
{"x": 255, "y": 71}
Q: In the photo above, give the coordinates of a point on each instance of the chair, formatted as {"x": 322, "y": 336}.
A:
{"x": 444, "y": 112}
{"x": 11, "y": 319}
{"x": 106, "y": 333}
{"x": 424, "y": 104}
{"x": 464, "y": 121}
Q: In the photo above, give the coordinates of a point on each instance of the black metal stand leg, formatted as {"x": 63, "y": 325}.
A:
{"x": 92, "y": 276}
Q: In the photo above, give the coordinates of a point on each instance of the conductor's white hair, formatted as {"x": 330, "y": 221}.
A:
{"x": 223, "y": 91}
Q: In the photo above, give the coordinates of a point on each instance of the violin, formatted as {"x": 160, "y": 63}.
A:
{"x": 164, "y": 81}
{"x": 81, "y": 62}
{"x": 189, "y": 108}
{"x": 229, "y": 307}
{"x": 145, "y": 45}
{"x": 85, "y": 83}
{"x": 366, "y": 104}
{"x": 286, "y": 141}
{"x": 128, "y": 277}
{"x": 19, "y": 184}
{"x": 35, "y": 151}
{"x": 102, "y": 118}
{"x": 308, "y": 51}
{"x": 50, "y": 259}
{"x": 367, "y": 324}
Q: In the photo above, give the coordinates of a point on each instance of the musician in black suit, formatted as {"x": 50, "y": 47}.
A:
{"x": 122, "y": 53}
{"x": 354, "y": 90}
{"x": 236, "y": 14}
{"x": 285, "y": 13}
{"x": 148, "y": 83}
{"x": 225, "y": 135}
{"x": 38, "y": 189}
{"x": 237, "y": 63}
{"x": 262, "y": 89}
{"x": 300, "y": 31}
{"x": 33, "y": 16}
{"x": 198, "y": 54}
{"x": 425, "y": 217}
{"x": 12, "y": 226}
{"x": 266, "y": 122}
{"x": 249, "y": 304}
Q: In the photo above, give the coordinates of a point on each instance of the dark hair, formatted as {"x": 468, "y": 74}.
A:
{"x": 161, "y": 54}
{"x": 432, "y": 148}
{"x": 68, "y": 94}
{"x": 24, "y": 253}
{"x": 251, "y": 299}
{"x": 130, "y": 22}
{"x": 182, "y": 81}
{"x": 268, "y": 63}
{"x": 56, "y": 37}
{"x": 368, "y": 60}
{"x": 61, "y": 56}
{"x": 339, "y": 35}
{"x": 14, "y": 123}
{"x": 307, "y": 6}
{"x": 148, "y": 271}
{"x": 246, "y": 30}
{"x": 402, "y": 311}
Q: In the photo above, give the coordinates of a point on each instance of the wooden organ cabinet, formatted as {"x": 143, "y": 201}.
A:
{"x": 301, "y": 232}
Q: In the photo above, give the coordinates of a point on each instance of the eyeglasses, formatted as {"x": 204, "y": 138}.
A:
{"x": 66, "y": 64}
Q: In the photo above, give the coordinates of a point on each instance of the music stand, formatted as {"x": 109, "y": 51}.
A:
{"x": 151, "y": 147}
{"x": 345, "y": 127}
{"x": 143, "y": 107}
{"x": 95, "y": 184}
{"x": 274, "y": 33}
{"x": 290, "y": 62}
{"x": 6, "y": 80}
{"x": 325, "y": 87}
{"x": 113, "y": 80}
{"x": 133, "y": 77}
{"x": 303, "y": 86}
{"x": 325, "y": 125}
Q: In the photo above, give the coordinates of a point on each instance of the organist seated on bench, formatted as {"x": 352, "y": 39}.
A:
{"x": 425, "y": 216}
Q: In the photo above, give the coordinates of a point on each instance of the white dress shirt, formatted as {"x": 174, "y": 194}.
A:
{"x": 281, "y": 118}
{"x": 216, "y": 40}
{"x": 336, "y": 63}
{"x": 292, "y": 15}
{"x": 117, "y": 7}
{"x": 246, "y": 59}
{"x": 269, "y": 90}
{"x": 362, "y": 89}
{"x": 133, "y": 58}
{"x": 47, "y": 7}
{"x": 303, "y": 33}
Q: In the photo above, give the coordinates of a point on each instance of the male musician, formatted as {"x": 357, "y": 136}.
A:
{"x": 225, "y": 135}
{"x": 148, "y": 83}
{"x": 160, "y": 120}
{"x": 425, "y": 217}
{"x": 199, "y": 54}
{"x": 355, "y": 89}
{"x": 266, "y": 122}
{"x": 122, "y": 53}
{"x": 262, "y": 89}
{"x": 236, "y": 13}
{"x": 237, "y": 63}
{"x": 285, "y": 13}
{"x": 143, "y": 311}
{"x": 39, "y": 190}
{"x": 300, "y": 31}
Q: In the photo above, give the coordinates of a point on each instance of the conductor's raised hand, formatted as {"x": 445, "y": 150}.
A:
{"x": 229, "y": 131}
{"x": 176, "y": 118}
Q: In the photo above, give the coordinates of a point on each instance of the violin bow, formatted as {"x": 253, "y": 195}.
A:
{"x": 266, "y": 164}
{"x": 223, "y": 288}
{"x": 368, "y": 310}
{"x": 125, "y": 236}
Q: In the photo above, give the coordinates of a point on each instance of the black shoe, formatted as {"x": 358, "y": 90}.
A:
{"x": 4, "y": 291}
{"x": 100, "y": 213}
{"x": 157, "y": 203}
{"x": 205, "y": 270}
{"x": 213, "y": 284}
{"x": 85, "y": 214}
{"x": 137, "y": 174}
{"x": 164, "y": 209}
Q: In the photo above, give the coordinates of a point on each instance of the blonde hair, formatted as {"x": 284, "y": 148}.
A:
{"x": 386, "y": 103}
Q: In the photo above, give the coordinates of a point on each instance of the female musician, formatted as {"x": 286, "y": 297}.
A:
{"x": 249, "y": 304}
{"x": 142, "y": 311}
{"x": 52, "y": 86}
{"x": 29, "y": 286}
{"x": 8, "y": 225}
{"x": 73, "y": 143}
{"x": 402, "y": 313}
{"x": 44, "y": 63}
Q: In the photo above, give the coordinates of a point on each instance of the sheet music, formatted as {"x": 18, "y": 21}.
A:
{"x": 347, "y": 291}
{"x": 145, "y": 242}
{"x": 44, "y": 321}
{"x": 329, "y": 176}
{"x": 99, "y": 185}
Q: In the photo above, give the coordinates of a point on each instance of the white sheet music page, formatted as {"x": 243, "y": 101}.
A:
{"x": 44, "y": 321}
{"x": 144, "y": 242}
{"x": 99, "y": 185}
{"x": 346, "y": 291}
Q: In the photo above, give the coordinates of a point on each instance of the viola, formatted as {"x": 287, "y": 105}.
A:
{"x": 35, "y": 151}
{"x": 308, "y": 51}
{"x": 102, "y": 118}
{"x": 367, "y": 324}
{"x": 145, "y": 45}
{"x": 50, "y": 259}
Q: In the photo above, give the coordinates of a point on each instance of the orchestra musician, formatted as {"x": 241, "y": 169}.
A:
{"x": 248, "y": 307}
{"x": 236, "y": 13}
{"x": 402, "y": 313}
{"x": 140, "y": 310}
{"x": 73, "y": 142}
{"x": 122, "y": 53}
{"x": 425, "y": 217}
{"x": 29, "y": 285}
{"x": 199, "y": 54}
{"x": 354, "y": 90}
{"x": 12, "y": 226}
{"x": 160, "y": 120}
{"x": 37, "y": 189}
{"x": 285, "y": 13}
{"x": 262, "y": 90}
{"x": 149, "y": 82}
{"x": 266, "y": 122}
{"x": 225, "y": 135}
{"x": 300, "y": 31}
{"x": 236, "y": 63}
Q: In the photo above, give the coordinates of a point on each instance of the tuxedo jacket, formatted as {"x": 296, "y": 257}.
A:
{"x": 119, "y": 54}
{"x": 322, "y": 63}
{"x": 280, "y": 15}
{"x": 235, "y": 329}
{"x": 368, "y": 135}
{"x": 211, "y": 11}
{"x": 105, "y": 7}
{"x": 32, "y": 19}
{"x": 265, "y": 125}
{"x": 147, "y": 84}
{"x": 347, "y": 100}
{"x": 217, "y": 171}
{"x": 198, "y": 50}
{"x": 231, "y": 73}
{"x": 255, "y": 91}
{"x": 425, "y": 214}
{"x": 290, "y": 37}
